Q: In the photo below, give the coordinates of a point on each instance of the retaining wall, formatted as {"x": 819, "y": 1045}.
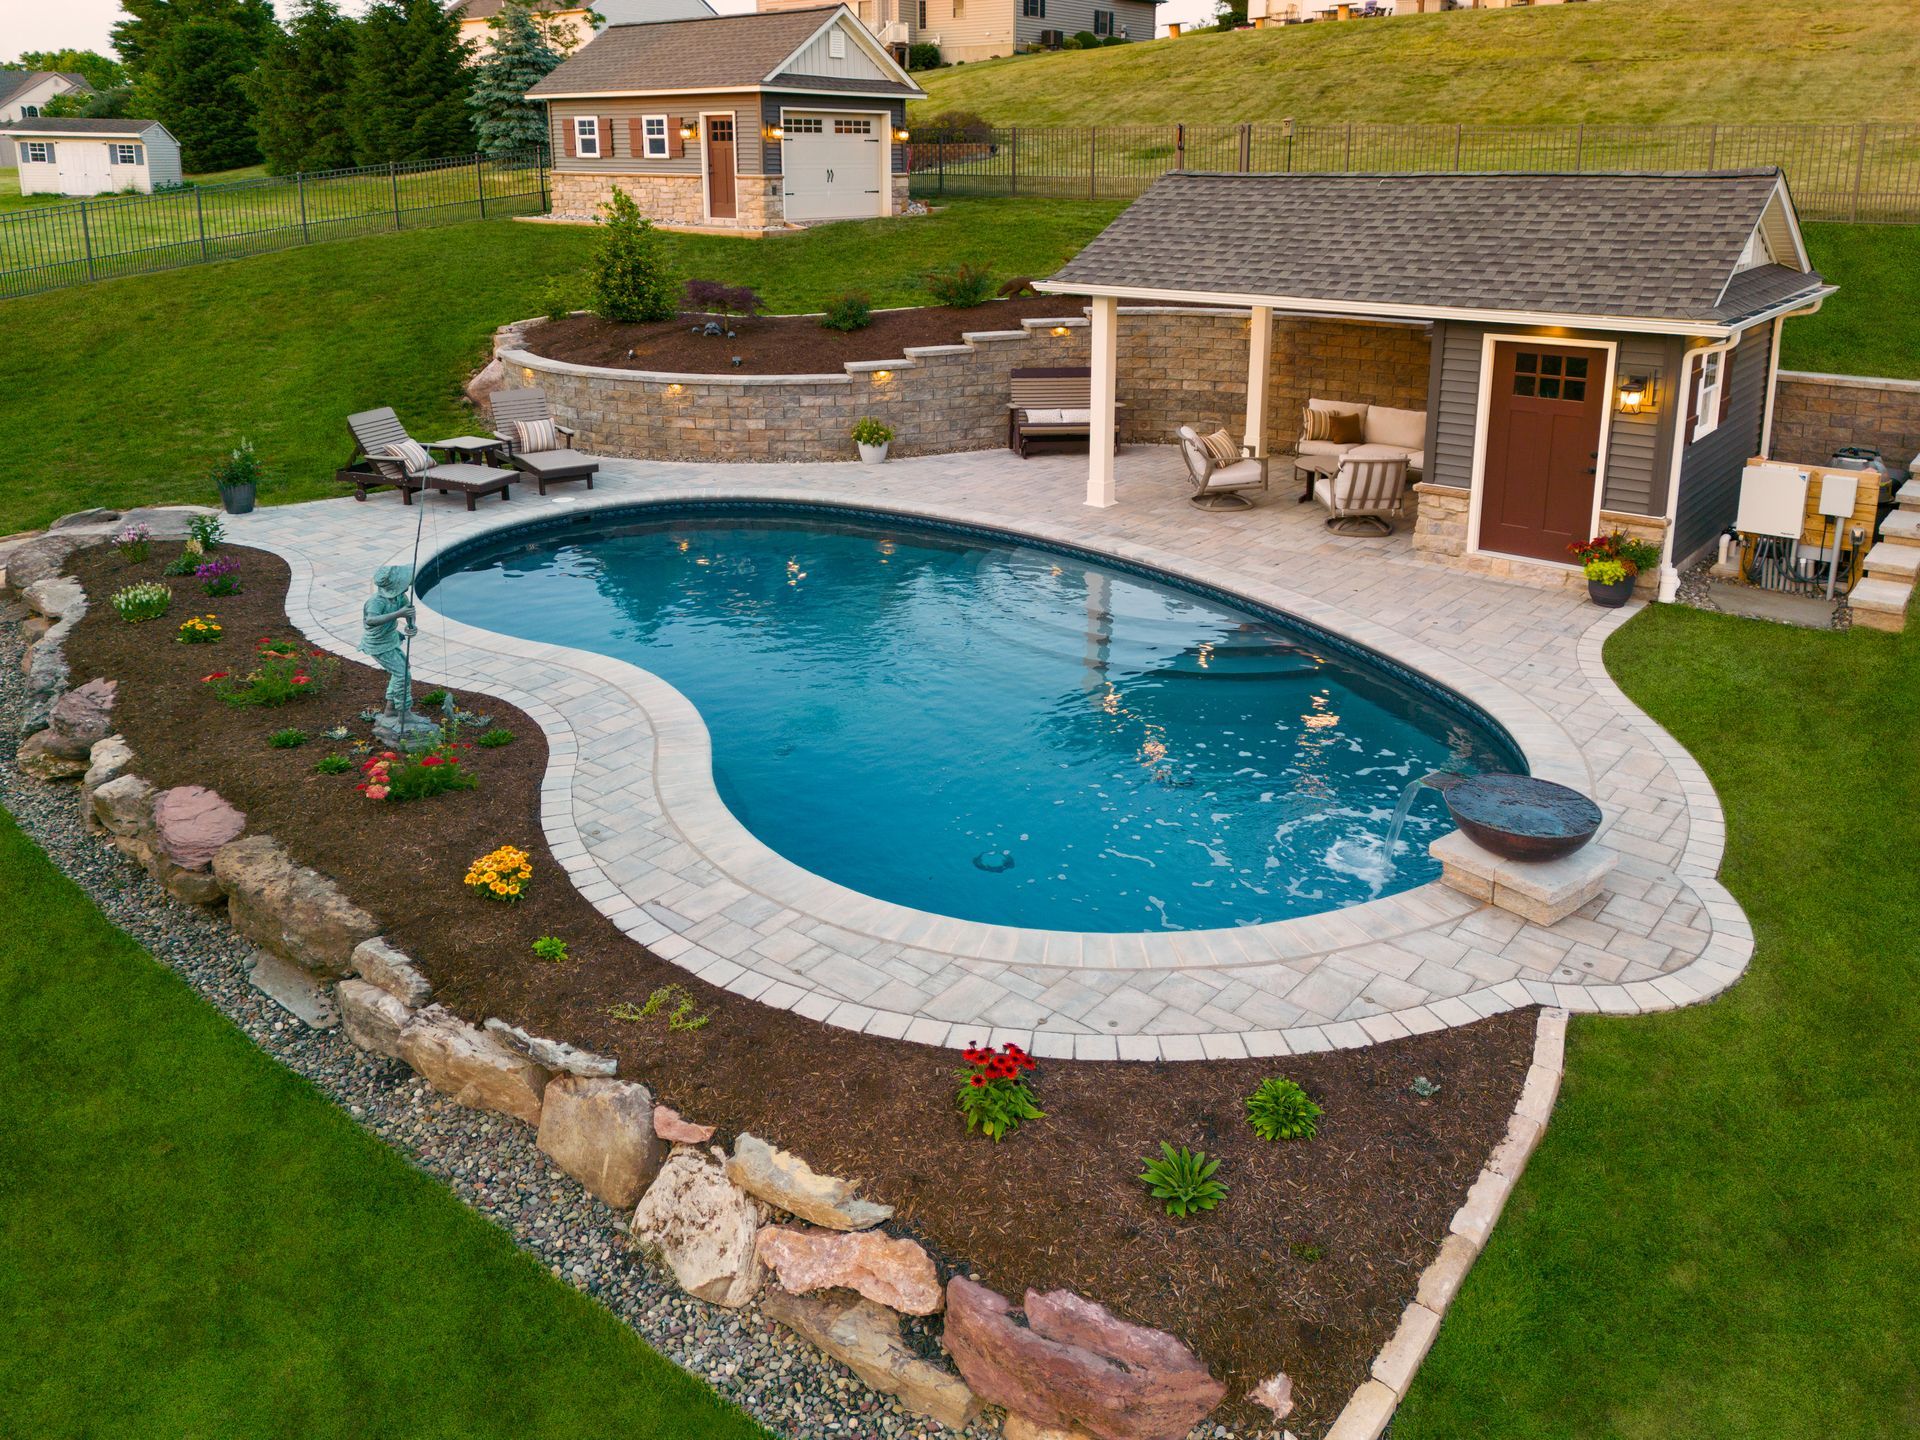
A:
{"x": 1814, "y": 415}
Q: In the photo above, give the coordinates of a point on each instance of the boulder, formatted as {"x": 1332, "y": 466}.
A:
{"x": 1276, "y": 1393}
{"x": 59, "y": 597}
{"x": 96, "y": 518}
{"x": 379, "y": 963}
{"x": 46, "y": 557}
{"x": 600, "y": 1132}
{"x": 895, "y": 1272}
{"x": 865, "y": 1338}
{"x": 108, "y": 760}
{"x": 1018, "y": 1427}
{"x": 668, "y": 1125}
{"x": 552, "y": 1054}
{"x": 701, "y": 1225}
{"x": 488, "y": 378}
{"x": 787, "y": 1182}
{"x": 295, "y": 912}
{"x": 1073, "y": 1364}
{"x": 123, "y": 806}
{"x": 470, "y": 1065}
{"x": 42, "y": 757}
{"x": 191, "y": 823}
{"x": 372, "y": 1018}
{"x": 77, "y": 721}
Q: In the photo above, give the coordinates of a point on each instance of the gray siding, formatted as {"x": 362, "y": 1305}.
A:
{"x": 772, "y": 102}
{"x": 163, "y": 158}
{"x": 622, "y": 161}
{"x": 1636, "y": 478}
{"x": 1070, "y": 17}
{"x": 1710, "y": 468}
{"x": 1456, "y": 396}
{"x": 816, "y": 58}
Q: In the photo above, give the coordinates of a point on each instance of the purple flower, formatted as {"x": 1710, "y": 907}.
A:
{"x": 214, "y": 569}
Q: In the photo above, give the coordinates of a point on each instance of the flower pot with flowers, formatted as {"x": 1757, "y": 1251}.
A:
{"x": 1612, "y": 563}
{"x": 238, "y": 478}
{"x": 993, "y": 1092}
{"x": 872, "y": 437}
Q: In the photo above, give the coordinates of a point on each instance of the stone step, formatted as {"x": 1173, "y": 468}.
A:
{"x": 1894, "y": 562}
{"x": 1902, "y": 527}
{"x": 1908, "y": 495}
{"x": 1880, "y": 604}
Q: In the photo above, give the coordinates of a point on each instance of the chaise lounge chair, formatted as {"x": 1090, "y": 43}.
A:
{"x": 534, "y": 439}
{"x": 384, "y": 454}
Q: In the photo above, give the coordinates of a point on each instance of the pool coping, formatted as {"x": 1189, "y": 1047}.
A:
{"x": 678, "y": 763}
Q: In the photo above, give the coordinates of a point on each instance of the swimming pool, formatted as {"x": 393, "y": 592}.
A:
{"x": 985, "y": 728}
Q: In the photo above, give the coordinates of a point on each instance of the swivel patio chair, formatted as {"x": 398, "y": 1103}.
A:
{"x": 1365, "y": 494}
{"x": 1220, "y": 484}
{"x": 536, "y": 442}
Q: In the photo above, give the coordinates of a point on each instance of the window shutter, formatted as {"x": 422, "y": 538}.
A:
{"x": 676, "y": 147}
{"x": 567, "y": 134}
{"x": 636, "y": 137}
{"x": 607, "y": 147}
{"x": 1726, "y": 384}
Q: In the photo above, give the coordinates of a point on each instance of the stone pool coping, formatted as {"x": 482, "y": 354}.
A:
{"x": 724, "y": 906}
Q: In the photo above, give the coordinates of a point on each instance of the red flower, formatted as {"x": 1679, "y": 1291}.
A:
{"x": 432, "y": 760}
{"x": 977, "y": 1081}
{"x": 216, "y": 675}
{"x": 975, "y": 1055}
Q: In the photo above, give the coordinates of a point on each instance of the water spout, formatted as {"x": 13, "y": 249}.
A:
{"x": 1439, "y": 780}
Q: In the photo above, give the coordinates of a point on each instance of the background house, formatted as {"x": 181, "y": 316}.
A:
{"x": 982, "y": 29}
{"x": 746, "y": 122}
{"x": 572, "y": 17}
{"x": 24, "y": 92}
{"x": 93, "y": 157}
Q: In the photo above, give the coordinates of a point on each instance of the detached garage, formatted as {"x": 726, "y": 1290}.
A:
{"x": 736, "y": 122}
{"x": 93, "y": 157}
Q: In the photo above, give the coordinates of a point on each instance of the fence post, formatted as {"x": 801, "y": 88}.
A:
{"x": 200, "y": 217}
{"x": 940, "y": 167}
{"x": 300, "y": 184}
{"x": 1859, "y": 171}
{"x": 393, "y": 179}
{"x": 1246, "y": 148}
{"x": 1347, "y": 164}
{"x": 1458, "y": 133}
{"x": 480, "y": 182}
{"x": 1013, "y": 160}
{"x": 1288, "y": 126}
{"x": 1580, "y": 148}
{"x": 1179, "y": 147}
{"x": 86, "y": 238}
{"x": 1713, "y": 144}
{"x": 540, "y": 162}
{"x": 1093, "y": 140}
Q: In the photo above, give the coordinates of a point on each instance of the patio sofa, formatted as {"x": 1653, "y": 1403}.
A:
{"x": 1404, "y": 431}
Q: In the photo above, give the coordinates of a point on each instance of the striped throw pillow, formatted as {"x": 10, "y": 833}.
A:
{"x": 1222, "y": 447}
{"x": 530, "y": 437}
{"x": 412, "y": 455}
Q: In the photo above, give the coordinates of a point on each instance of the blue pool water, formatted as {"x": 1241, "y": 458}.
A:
{"x": 995, "y": 731}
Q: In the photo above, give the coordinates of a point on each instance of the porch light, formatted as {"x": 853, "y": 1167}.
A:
{"x": 900, "y": 135}
{"x": 687, "y": 131}
{"x": 774, "y": 132}
{"x": 1636, "y": 394}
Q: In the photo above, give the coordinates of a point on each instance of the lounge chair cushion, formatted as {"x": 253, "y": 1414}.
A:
{"x": 1323, "y": 447}
{"x": 535, "y": 435}
{"x": 1222, "y": 447}
{"x": 557, "y": 464}
{"x": 1058, "y": 417}
{"x": 1241, "y": 475}
{"x": 1403, "y": 429}
{"x": 412, "y": 455}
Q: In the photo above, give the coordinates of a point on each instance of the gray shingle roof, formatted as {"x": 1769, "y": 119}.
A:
{"x": 617, "y": 12}
{"x": 13, "y": 81}
{"x": 44, "y": 126}
{"x": 1649, "y": 246}
{"x": 720, "y": 51}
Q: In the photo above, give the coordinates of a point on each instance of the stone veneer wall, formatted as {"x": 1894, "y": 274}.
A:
{"x": 1440, "y": 533}
{"x": 678, "y": 199}
{"x": 1177, "y": 366}
{"x": 1814, "y": 415}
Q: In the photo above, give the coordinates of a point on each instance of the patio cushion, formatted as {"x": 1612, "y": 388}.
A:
{"x": 412, "y": 455}
{"x": 535, "y": 435}
{"x": 1058, "y": 417}
{"x": 1404, "y": 429}
{"x": 1222, "y": 447}
{"x": 1241, "y": 475}
{"x": 557, "y": 464}
{"x": 1322, "y": 447}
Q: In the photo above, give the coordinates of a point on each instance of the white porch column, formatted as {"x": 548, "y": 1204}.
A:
{"x": 1259, "y": 365}
{"x": 1106, "y": 392}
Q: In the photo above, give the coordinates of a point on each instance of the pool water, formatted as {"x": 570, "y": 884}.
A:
{"x": 998, "y": 732}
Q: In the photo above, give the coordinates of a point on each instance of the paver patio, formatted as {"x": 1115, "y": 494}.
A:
{"x": 630, "y": 809}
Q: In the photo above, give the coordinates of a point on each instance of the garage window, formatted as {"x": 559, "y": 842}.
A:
{"x": 805, "y": 125}
{"x": 586, "y": 137}
{"x": 853, "y": 127}
{"x": 653, "y": 135}
{"x": 40, "y": 151}
{"x": 126, "y": 154}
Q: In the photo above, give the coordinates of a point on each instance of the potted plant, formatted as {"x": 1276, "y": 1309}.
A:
{"x": 1612, "y": 563}
{"x": 873, "y": 438}
{"x": 238, "y": 476}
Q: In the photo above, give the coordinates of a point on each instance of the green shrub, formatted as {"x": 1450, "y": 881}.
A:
{"x": 206, "y": 531}
{"x": 1183, "y": 1180}
{"x": 1279, "y": 1109}
{"x": 1086, "y": 39}
{"x": 557, "y": 296}
{"x": 288, "y": 739}
{"x": 332, "y": 765}
{"x": 852, "y": 311}
{"x": 629, "y": 277}
{"x": 421, "y": 777}
{"x": 923, "y": 56}
{"x": 148, "y": 600}
{"x": 962, "y": 287}
{"x": 869, "y": 431}
{"x": 550, "y": 948}
{"x": 1114, "y": 40}
{"x": 954, "y": 127}
{"x": 496, "y": 737}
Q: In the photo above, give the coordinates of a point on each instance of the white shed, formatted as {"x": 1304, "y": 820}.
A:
{"x": 93, "y": 157}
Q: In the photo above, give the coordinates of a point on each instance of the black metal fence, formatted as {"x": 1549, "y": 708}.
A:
{"x": 1837, "y": 172}
{"x": 45, "y": 247}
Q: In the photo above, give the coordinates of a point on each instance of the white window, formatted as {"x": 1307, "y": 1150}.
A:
{"x": 125, "y": 154}
{"x": 40, "y": 151}
{"x": 653, "y": 133}
{"x": 1706, "y": 403}
{"x": 1103, "y": 22}
{"x": 586, "y": 137}
{"x": 29, "y": 112}
{"x": 853, "y": 127}
{"x": 805, "y": 125}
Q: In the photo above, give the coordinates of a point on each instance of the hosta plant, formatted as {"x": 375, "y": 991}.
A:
{"x": 1280, "y": 1110}
{"x": 1183, "y": 1180}
{"x": 993, "y": 1092}
{"x": 148, "y": 600}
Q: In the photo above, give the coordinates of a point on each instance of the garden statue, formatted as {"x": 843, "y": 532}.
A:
{"x": 388, "y": 618}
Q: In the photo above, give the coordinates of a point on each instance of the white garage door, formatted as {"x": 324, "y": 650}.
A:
{"x": 85, "y": 168}
{"x": 831, "y": 165}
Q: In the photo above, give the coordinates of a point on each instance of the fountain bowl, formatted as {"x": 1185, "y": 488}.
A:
{"x": 1517, "y": 816}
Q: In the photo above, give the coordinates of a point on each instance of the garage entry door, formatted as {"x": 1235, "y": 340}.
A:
{"x": 831, "y": 166}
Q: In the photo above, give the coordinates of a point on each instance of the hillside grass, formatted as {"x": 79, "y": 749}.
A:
{"x": 1612, "y": 61}
{"x": 1716, "y": 1236}
{"x": 196, "y": 1242}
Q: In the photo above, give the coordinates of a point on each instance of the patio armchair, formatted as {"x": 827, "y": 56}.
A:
{"x": 1365, "y": 494}
{"x": 1220, "y": 484}
{"x": 384, "y": 454}
{"x": 536, "y": 442}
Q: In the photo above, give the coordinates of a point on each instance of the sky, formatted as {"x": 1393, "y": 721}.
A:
{"x": 84, "y": 24}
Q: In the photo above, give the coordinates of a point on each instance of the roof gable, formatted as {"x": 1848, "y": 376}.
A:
{"x": 101, "y": 129}
{"x": 16, "y": 83}
{"x": 1659, "y": 248}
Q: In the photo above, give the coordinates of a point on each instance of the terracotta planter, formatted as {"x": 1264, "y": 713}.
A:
{"x": 1612, "y": 596}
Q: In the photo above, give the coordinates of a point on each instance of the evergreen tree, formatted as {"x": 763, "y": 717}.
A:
{"x": 139, "y": 37}
{"x": 504, "y": 120}
{"x": 630, "y": 277}
{"x": 196, "y": 81}
{"x": 300, "y": 92}
{"x": 410, "y": 82}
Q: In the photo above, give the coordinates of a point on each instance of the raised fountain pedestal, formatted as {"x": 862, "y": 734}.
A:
{"x": 1542, "y": 891}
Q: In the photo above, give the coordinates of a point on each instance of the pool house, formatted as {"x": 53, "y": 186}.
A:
{"x": 1602, "y": 349}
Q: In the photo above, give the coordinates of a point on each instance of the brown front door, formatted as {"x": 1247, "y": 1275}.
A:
{"x": 1543, "y": 448}
{"x": 720, "y": 167}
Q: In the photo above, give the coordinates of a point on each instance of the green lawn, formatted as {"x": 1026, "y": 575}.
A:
{"x": 1623, "y": 61}
{"x": 195, "y": 1242}
{"x": 12, "y": 199}
{"x": 1716, "y": 1237}
{"x": 1869, "y": 327}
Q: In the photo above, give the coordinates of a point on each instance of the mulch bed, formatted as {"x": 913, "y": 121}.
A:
{"x": 1305, "y": 1267}
{"x": 778, "y": 344}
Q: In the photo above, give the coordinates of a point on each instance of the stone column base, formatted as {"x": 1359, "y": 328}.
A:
{"x": 1543, "y": 891}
